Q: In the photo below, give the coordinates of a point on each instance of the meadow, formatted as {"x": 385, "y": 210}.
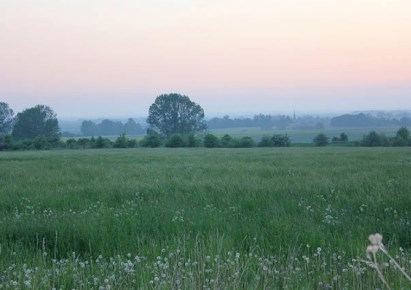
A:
{"x": 258, "y": 218}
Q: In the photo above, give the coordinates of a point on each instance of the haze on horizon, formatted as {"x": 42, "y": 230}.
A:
{"x": 112, "y": 58}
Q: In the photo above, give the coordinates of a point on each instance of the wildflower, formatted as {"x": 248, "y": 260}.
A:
{"x": 372, "y": 249}
{"x": 375, "y": 239}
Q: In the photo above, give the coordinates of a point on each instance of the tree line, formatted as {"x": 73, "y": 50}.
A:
{"x": 110, "y": 128}
{"x": 174, "y": 121}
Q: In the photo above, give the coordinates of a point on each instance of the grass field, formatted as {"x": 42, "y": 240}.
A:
{"x": 289, "y": 218}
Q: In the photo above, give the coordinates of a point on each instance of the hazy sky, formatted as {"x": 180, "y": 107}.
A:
{"x": 113, "y": 57}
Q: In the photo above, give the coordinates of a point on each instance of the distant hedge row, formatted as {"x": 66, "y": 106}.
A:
{"x": 152, "y": 140}
{"x": 371, "y": 139}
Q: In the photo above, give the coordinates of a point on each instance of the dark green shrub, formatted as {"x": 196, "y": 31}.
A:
{"x": 373, "y": 139}
{"x": 210, "y": 141}
{"x": 191, "y": 140}
{"x": 265, "y": 142}
{"x": 175, "y": 141}
{"x": 280, "y": 140}
{"x": 41, "y": 143}
{"x": 121, "y": 142}
{"x": 321, "y": 140}
{"x": 227, "y": 141}
{"x": 246, "y": 142}
{"x": 152, "y": 141}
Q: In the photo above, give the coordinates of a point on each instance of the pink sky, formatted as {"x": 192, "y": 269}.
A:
{"x": 107, "y": 57}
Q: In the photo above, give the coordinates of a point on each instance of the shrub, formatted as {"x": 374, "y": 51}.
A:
{"x": 175, "y": 141}
{"x": 280, "y": 140}
{"x": 210, "y": 141}
{"x": 265, "y": 142}
{"x": 152, "y": 140}
{"x": 402, "y": 137}
{"x": 41, "y": 143}
{"x": 191, "y": 140}
{"x": 246, "y": 142}
{"x": 227, "y": 141}
{"x": 121, "y": 142}
{"x": 320, "y": 140}
{"x": 102, "y": 143}
{"x": 373, "y": 139}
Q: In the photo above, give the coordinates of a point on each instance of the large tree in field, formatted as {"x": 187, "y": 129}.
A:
{"x": 176, "y": 114}
{"x": 36, "y": 121}
{"x": 6, "y": 118}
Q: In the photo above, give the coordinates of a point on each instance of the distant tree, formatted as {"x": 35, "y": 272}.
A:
{"x": 176, "y": 114}
{"x": 373, "y": 139}
{"x": 210, "y": 141}
{"x": 132, "y": 128}
{"x": 405, "y": 121}
{"x": 6, "y": 119}
{"x": 402, "y": 138}
{"x": 32, "y": 122}
{"x": 321, "y": 140}
{"x": 111, "y": 128}
{"x": 343, "y": 137}
{"x": 403, "y": 133}
{"x": 89, "y": 128}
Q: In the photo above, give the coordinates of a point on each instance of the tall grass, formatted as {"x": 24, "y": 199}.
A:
{"x": 295, "y": 216}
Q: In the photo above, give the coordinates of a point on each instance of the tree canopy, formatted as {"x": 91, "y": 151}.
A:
{"x": 176, "y": 114}
{"x": 36, "y": 121}
{"x": 6, "y": 118}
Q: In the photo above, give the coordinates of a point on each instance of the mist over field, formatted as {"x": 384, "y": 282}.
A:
{"x": 205, "y": 144}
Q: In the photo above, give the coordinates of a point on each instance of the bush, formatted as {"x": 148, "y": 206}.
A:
{"x": 373, "y": 139}
{"x": 191, "y": 140}
{"x": 175, "y": 141}
{"x": 402, "y": 137}
{"x": 121, "y": 142}
{"x": 41, "y": 143}
{"x": 246, "y": 142}
{"x": 280, "y": 140}
{"x": 265, "y": 142}
{"x": 152, "y": 140}
{"x": 227, "y": 141}
{"x": 6, "y": 142}
{"x": 321, "y": 140}
{"x": 210, "y": 141}
{"x": 102, "y": 143}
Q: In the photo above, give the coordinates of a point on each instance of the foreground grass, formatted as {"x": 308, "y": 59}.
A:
{"x": 197, "y": 218}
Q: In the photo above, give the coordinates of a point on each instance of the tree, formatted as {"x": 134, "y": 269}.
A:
{"x": 402, "y": 137}
{"x": 343, "y": 137}
{"x": 320, "y": 140}
{"x": 176, "y": 114}
{"x": 374, "y": 139}
{"x": 6, "y": 119}
{"x": 32, "y": 122}
{"x": 89, "y": 128}
{"x": 132, "y": 128}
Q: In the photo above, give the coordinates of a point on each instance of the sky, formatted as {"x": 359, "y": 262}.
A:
{"x": 103, "y": 58}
